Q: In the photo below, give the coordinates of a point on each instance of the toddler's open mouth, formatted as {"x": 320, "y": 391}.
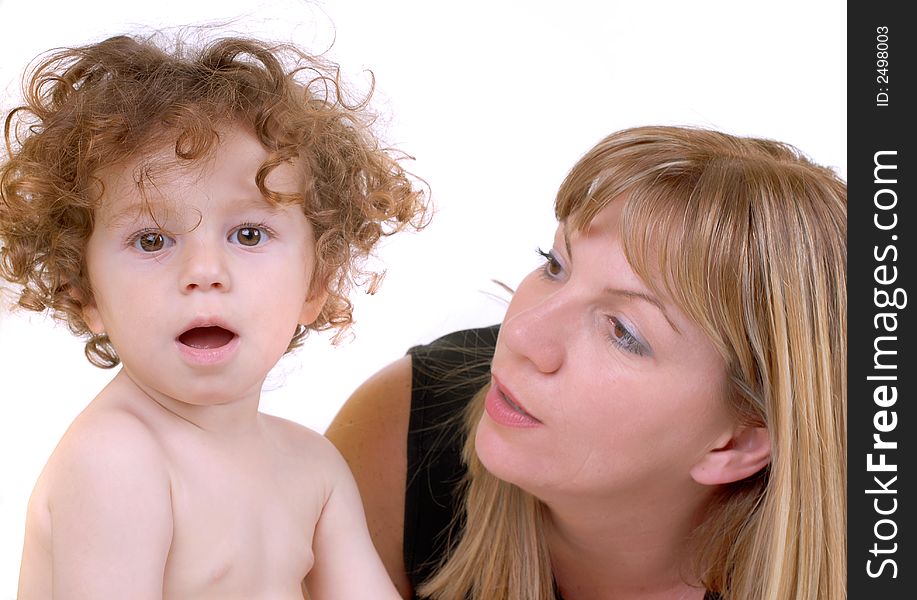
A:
{"x": 205, "y": 338}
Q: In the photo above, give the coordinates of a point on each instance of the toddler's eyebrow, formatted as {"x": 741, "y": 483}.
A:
{"x": 131, "y": 211}
{"x": 162, "y": 209}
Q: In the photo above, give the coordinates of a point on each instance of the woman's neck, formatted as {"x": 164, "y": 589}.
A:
{"x": 632, "y": 550}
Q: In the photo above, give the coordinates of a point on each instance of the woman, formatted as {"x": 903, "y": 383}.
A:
{"x": 665, "y": 412}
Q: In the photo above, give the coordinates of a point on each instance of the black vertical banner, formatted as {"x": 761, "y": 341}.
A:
{"x": 881, "y": 431}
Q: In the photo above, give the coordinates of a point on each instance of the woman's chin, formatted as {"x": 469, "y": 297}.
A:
{"x": 506, "y": 454}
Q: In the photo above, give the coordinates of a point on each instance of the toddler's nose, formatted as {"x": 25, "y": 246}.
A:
{"x": 205, "y": 268}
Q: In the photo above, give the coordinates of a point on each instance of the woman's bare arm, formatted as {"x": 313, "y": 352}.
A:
{"x": 371, "y": 432}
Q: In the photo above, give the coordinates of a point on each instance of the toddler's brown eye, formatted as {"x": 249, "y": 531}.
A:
{"x": 248, "y": 236}
{"x": 151, "y": 242}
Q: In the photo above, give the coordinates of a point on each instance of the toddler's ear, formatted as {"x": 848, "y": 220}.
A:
{"x": 742, "y": 454}
{"x": 313, "y": 306}
{"x": 90, "y": 312}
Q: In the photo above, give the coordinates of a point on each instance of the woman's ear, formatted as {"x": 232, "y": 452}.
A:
{"x": 741, "y": 455}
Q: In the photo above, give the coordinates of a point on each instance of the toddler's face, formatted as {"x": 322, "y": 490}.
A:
{"x": 198, "y": 281}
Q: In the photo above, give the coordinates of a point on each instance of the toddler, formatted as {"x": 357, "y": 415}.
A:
{"x": 194, "y": 212}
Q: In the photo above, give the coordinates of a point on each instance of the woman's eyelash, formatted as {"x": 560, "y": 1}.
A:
{"x": 618, "y": 334}
{"x": 552, "y": 268}
{"x": 621, "y": 337}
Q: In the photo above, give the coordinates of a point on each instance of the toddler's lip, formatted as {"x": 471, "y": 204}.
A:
{"x": 204, "y": 338}
{"x": 206, "y": 333}
{"x": 207, "y": 342}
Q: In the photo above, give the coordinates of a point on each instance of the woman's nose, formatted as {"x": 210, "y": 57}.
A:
{"x": 205, "y": 266}
{"x": 537, "y": 333}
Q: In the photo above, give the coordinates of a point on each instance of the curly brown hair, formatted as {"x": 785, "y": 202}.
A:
{"x": 95, "y": 106}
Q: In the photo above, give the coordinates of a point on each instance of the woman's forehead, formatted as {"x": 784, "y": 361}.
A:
{"x": 602, "y": 239}
{"x": 610, "y": 223}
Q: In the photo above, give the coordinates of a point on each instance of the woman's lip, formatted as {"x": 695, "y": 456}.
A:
{"x": 503, "y": 408}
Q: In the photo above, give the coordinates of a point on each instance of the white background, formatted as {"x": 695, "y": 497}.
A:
{"x": 496, "y": 100}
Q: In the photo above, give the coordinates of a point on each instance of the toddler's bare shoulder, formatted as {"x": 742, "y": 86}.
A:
{"x": 310, "y": 449}
{"x": 103, "y": 447}
{"x": 299, "y": 438}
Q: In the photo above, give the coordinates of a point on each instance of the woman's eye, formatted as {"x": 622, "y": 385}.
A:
{"x": 249, "y": 235}
{"x": 552, "y": 267}
{"x": 150, "y": 241}
{"x": 623, "y": 338}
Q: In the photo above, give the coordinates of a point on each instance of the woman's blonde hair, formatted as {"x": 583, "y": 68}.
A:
{"x": 748, "y": 238}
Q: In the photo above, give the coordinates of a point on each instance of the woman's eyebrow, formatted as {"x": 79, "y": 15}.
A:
{"x": 567, "y": 241}
{"x": 629, "y": 294}
{"x": 634, "y": 295}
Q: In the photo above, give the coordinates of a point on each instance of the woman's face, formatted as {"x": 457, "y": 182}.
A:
{"x": 599, "y": 387}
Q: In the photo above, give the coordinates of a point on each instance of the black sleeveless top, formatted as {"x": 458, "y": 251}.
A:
{"x": 445, "y": 375}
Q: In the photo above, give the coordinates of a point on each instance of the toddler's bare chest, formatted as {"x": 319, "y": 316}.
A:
{"x": 241, "y": 528}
